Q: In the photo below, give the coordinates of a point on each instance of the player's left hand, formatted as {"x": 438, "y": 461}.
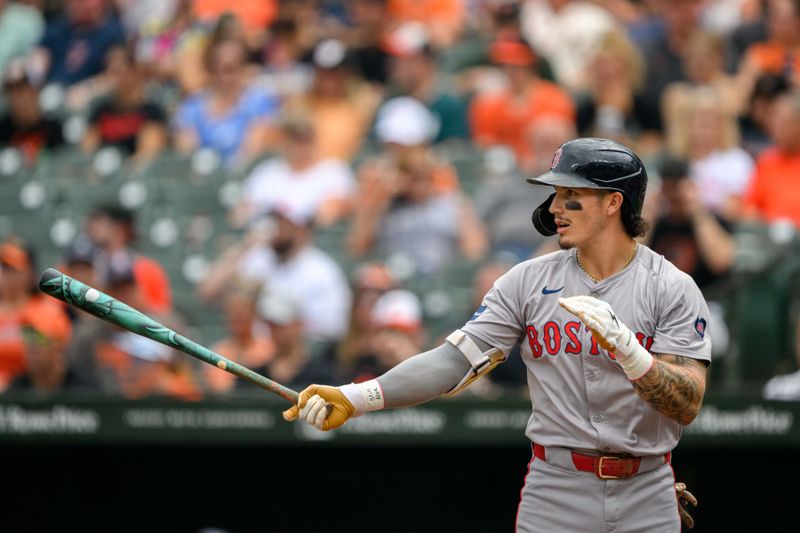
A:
{"x": 600, "y": 318}
{"x": 685, "y": 498}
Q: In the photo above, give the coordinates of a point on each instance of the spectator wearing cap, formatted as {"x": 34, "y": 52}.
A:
{"x": 24, "y": 126}
{"x": 298, "y": 179}
{"x": 397, "y": 332}
{"x": 339, "y": 103}
{"x": 248, "y": 341}
{"x": 126, "y": 118}
{"x": 294, "y": 364}
{"x": 409, "y": 201}
{"x": 19, "y": 298}
{"x": 21, "y": 27}
{"x": 503, "y": 116}
{"x": 79, "y": 261}
{"x": 231, "y": 115}
{"x": 278, "y": 253}
{"x": 414, "y": 72}
{"x": 45, "y": 336}
{"x": 112, "y": 228}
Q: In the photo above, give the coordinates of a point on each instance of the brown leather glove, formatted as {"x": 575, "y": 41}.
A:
{"x": 685, "y": 498}
{"x": 336, "y": 411}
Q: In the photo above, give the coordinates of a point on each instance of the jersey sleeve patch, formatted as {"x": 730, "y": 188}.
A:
{"x": 700, "y": 327}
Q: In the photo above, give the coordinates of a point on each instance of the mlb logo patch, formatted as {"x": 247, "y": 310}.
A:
{"x": 700, "y": 327}
{"x": 477, "y": 313}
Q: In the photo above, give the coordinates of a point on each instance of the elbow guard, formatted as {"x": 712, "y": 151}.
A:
{"x": 480, "y": 362}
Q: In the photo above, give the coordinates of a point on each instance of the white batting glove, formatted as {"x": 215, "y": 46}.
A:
{"x": 610, "y": 333}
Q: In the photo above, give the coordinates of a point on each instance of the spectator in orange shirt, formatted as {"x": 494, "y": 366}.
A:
{"x": 255, "y": 15}
{"x": 780, "y": 54}
{"x": 112, "y": 228}
{"x": 444, "y": 19}
{"x": 19, "y": 297}
{"x": 502, "y": 117}
{"x": 774, "y": 192}
{"x": 248, "y": 342}
{"x": 134, "y": 366}
{"x": 45, "y": 336}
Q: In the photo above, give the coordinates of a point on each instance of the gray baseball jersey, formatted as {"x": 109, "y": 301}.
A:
{"x": 581, "y": 398}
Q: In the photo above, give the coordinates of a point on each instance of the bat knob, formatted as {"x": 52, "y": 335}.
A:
{"x": 48, "y": 275}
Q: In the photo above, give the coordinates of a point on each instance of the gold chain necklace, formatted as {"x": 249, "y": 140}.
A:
{"x": 628, "y": 262}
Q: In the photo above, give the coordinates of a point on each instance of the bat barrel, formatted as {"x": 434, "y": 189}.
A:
{"x": 88, "y": 299}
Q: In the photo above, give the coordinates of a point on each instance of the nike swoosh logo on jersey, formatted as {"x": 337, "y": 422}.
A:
{"x": 545, "y": 290}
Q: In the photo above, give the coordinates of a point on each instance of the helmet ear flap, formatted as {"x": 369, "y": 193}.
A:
{"x": 543, "y": 220}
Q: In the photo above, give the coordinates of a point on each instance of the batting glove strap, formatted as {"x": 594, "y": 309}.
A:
{"x": 365, "y": 397}
{"x": 633, "y": 358}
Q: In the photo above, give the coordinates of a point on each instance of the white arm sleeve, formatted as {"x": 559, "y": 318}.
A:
{"x": 426, "y": 376}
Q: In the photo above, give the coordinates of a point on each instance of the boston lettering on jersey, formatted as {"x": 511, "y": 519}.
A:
{"x": 552, "y": 337}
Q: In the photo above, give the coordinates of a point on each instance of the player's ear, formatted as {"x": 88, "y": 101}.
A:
{"x": 613, "y": 202}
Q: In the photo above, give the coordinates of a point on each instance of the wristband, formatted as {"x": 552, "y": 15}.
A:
{"x": 365, "y": 397}
{"x": 634, "y": 359}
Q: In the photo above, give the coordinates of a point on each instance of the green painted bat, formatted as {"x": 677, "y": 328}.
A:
{"x": 88, "y": 299}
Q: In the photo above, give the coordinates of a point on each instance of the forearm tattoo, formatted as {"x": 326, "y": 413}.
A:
{"x": 674, "y": 386}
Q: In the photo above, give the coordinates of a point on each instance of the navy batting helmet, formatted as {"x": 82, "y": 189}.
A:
{"x": 591, "y": 164}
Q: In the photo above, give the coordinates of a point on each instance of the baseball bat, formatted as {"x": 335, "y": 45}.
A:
{"x": 88, "y": 299}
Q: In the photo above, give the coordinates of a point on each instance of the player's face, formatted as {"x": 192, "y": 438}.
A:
{"x": 578, "y": 214}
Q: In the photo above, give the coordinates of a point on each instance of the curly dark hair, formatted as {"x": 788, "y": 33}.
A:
{"x": 634, "y": 224}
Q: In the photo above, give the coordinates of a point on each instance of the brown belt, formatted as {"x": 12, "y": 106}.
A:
{"x": 603, "y": 466}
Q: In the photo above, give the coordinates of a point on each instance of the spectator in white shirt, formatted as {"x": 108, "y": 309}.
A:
{"x": 298, "y": 180}
{"x": 278, "y": 254}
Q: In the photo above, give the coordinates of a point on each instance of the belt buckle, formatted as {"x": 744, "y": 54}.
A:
{"x": 599, "y": 467}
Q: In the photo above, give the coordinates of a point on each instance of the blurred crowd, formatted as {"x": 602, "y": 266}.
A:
{"x": 346, "y": 114}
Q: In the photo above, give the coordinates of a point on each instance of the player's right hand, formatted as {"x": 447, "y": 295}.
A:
{"x": 312, "y": 407}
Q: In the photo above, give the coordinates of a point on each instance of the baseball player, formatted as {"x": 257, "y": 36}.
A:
{"x": 614, "y": 339}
